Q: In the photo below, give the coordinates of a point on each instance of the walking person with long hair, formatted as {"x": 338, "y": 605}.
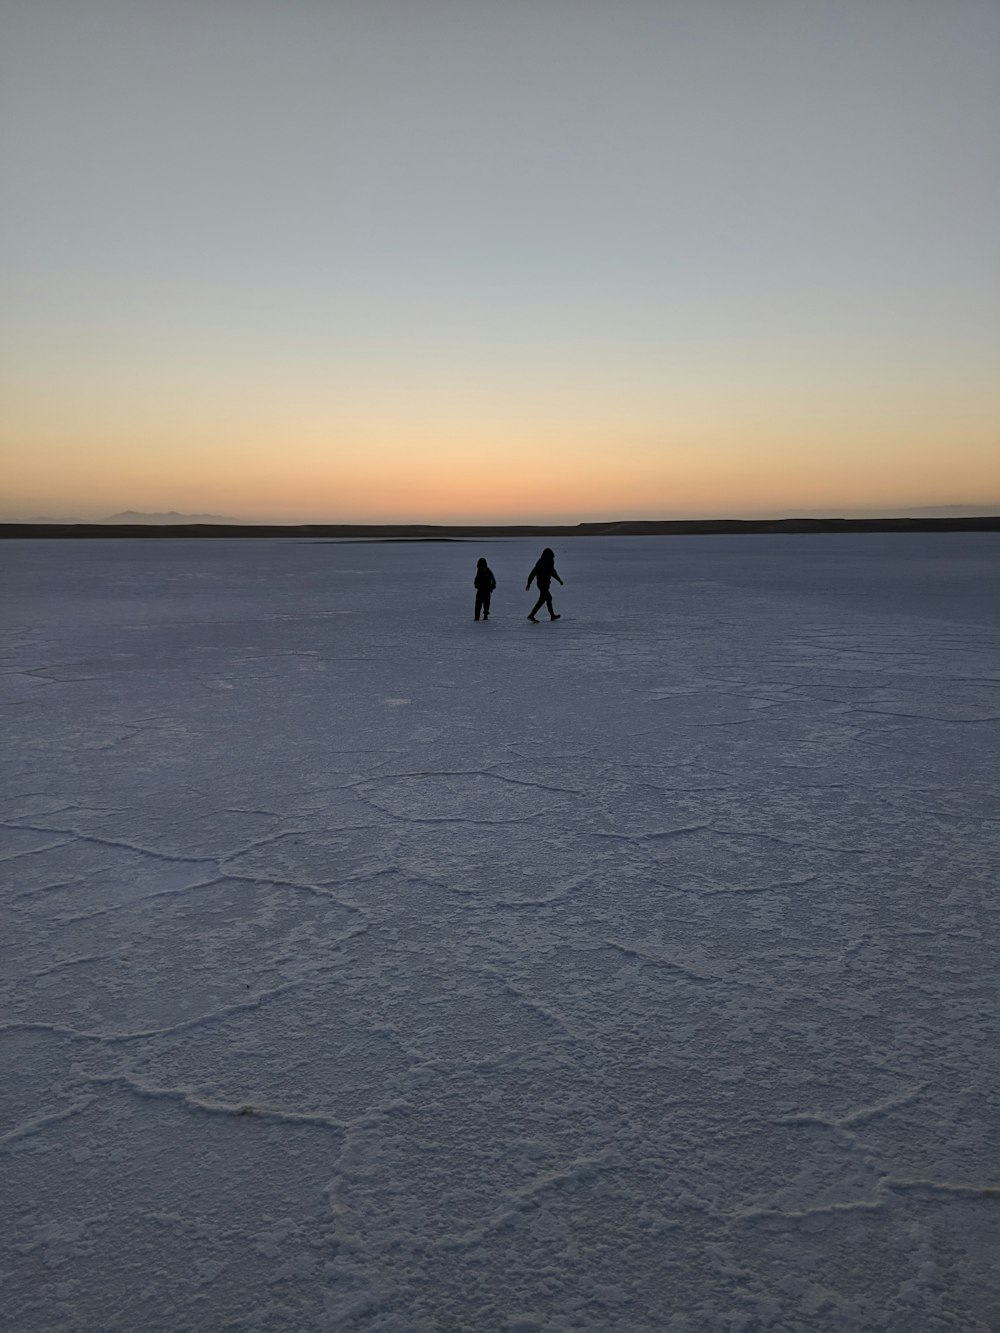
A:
{"x": 543, "y": 574}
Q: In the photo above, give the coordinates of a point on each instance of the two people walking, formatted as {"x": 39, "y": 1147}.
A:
{"x": 542, "y": 575}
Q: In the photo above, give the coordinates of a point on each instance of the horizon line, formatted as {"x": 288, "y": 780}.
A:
{"x": 449, "y": 531}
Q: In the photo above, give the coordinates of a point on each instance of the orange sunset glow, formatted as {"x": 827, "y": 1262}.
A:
{"x": 346, "y": 300}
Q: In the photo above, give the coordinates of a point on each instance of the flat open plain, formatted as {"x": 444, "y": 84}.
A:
{"x": 364, "y": 967}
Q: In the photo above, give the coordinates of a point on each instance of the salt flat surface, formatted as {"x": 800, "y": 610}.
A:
{"x": 366, "y": 967}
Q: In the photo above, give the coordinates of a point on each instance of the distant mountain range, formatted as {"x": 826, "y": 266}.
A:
{"x": 172, "y": 516}
{"x": 136, "y": 516}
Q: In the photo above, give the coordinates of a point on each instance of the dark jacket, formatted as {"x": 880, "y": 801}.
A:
{"x": 484, "y": 580}
{"x": 543, "y": 574}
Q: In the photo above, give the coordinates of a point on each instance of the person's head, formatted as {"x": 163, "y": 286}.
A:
{"x": 481, "y": 562}
{"x": 548, "y": 554}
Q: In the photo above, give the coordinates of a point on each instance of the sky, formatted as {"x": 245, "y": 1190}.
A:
{"x": 492, "y": 260}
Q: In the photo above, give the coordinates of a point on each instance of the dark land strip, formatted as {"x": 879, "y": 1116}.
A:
{"x": 457, "y": 532}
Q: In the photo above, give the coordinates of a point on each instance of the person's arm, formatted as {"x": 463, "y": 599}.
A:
{"x": 530, "y": 577}
{"x": 557, "y": 578}
{"x": 493, "y": 583}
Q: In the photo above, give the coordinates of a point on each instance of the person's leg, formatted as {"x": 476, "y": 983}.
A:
{"x": 479, "y": 602}
{"x": 551, "y": 608}
{"x": 486, "y": 606}
{"x": 538, "y": 605}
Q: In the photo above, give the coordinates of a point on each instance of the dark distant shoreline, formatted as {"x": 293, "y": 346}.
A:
{"x": 422, "y": 532}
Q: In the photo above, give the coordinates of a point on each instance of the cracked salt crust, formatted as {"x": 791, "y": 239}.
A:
{"x": 361, "y": 972}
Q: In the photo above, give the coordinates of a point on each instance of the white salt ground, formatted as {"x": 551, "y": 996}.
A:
{"x": 364, "y": 967}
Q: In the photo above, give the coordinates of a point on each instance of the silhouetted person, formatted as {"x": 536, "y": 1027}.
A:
{"x": 543, "y": 574}
{"x": 484, "y": 584}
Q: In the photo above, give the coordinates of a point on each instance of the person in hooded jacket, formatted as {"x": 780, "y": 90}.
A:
{"x": 484, "y": 583}
{"x": 543, "y": 574}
